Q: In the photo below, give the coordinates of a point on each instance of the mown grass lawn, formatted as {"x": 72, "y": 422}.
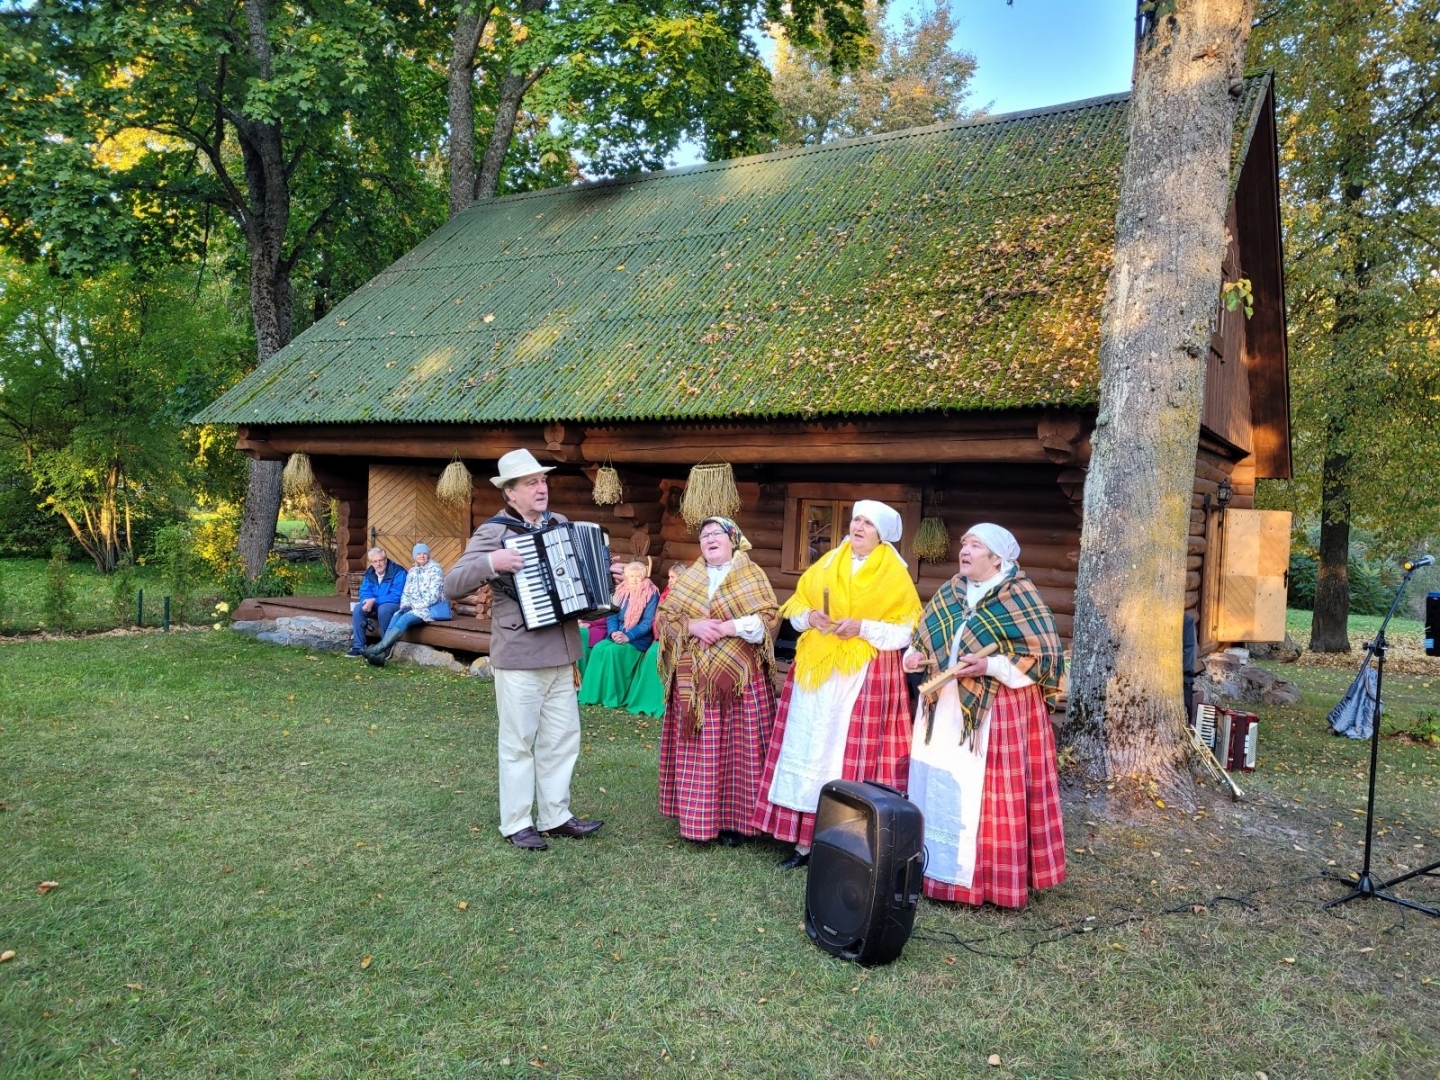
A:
{"x": 274, "y": 864}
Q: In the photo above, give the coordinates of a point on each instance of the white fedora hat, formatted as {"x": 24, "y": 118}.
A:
{"x": 518, "y": 463}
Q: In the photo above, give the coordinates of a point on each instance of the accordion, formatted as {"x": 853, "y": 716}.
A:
{"x": 1232, "y": 735}
{"x": 566, "y": 574}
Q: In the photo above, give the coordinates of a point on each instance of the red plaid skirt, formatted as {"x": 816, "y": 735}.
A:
{"x": 877, "y": 746}
{"x": 710, "y": 778}
{"x": 1021, "y": 845}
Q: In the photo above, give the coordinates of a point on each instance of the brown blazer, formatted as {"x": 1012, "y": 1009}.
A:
{"x": 512, "y": 647}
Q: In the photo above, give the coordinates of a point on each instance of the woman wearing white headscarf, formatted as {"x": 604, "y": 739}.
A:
{"x": 982, "y": 766}
{"x": 845, "y": 712}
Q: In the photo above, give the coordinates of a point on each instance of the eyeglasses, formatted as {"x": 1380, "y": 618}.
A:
{"x": 712, "y": 535}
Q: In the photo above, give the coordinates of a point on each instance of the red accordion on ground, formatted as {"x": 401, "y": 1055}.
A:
{"x": 1231, "y": 734}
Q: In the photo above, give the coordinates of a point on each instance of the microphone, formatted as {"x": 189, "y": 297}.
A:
{"x": 1424, "y": 560}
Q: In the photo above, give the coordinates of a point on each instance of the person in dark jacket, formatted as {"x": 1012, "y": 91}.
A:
{"x": 379, "y": 598}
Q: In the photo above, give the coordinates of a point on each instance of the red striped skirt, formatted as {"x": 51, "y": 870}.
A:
{"x": 877, "y": 746}
{"x": 710, "y": 779}
{"x": 1021, "y": 843}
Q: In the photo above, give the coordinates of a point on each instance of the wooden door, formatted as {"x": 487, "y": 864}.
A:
{"x": 1255, "y": 557}
{"x": 404, "y": 511}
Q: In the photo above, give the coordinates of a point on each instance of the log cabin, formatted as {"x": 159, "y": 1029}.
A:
{"x": 912, "y": 317}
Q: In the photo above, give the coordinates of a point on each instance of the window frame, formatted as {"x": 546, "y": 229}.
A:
{"x": 905, "y": 498}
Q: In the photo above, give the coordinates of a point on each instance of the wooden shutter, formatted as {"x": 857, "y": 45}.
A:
{"x": 404, "y": 511}
{"x": 1253, "y": 564}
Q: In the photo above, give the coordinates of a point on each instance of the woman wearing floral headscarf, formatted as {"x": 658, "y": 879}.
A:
{"x": 845, "y": 711}
{"x": 716, "y": 630}
{"x": 982, "y": 765}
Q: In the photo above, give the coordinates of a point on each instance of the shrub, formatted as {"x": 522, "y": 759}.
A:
{"x": 122, "y": 594}
{"x": 174, "y": 551}
{"x": 216, "y": 536}
{"x": 58, "y": 604}
{"x": 279, "y": 578}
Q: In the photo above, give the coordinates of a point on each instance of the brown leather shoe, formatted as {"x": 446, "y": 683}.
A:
{"x": 575, "y": 828}
{"x": 528, "y": 839}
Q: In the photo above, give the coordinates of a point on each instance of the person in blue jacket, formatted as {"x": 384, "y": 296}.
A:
{"x": 379, "y": 598}
{"x": 613, "y": 663}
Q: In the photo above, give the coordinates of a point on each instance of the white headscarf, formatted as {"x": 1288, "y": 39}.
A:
{"x": 1003, "y": 546}
{"x": 884, "y": 518}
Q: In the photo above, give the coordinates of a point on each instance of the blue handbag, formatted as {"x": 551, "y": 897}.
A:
{"x": 440, "y": 610}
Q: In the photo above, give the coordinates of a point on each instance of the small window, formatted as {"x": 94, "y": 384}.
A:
{"x": 817, "y": 519}
{"x": 822, "y": 523}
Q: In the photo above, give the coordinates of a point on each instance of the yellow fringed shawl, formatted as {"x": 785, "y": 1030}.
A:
{"x": 882, "y": 591}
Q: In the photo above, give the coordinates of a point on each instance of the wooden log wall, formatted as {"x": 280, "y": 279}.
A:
{"x": 1025, "y": 499}
{"x": 346, "y": 481}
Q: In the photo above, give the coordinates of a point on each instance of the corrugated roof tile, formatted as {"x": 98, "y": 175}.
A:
{"x": 959, "y": 266}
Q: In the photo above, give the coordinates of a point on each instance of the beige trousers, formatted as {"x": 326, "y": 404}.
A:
{"x": 539, "y": 743}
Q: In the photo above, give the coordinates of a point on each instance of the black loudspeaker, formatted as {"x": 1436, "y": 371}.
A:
{"x": 866, "y": 866}
{"x": 1432, "y": 624}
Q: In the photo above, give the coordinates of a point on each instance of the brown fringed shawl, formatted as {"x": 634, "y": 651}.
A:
{"x": 1012, "y": 617}
{"x": 714, "y": 673}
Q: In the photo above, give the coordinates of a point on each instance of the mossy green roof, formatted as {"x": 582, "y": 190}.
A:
{"x": 960, "y": 266}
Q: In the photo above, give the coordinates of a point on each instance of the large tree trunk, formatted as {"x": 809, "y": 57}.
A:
{"x": 513, "y": 88}
{"x": 1329, "y": 628}
{"x": 264, "y": 222}
{"x": 1126, "y": 718}
{"x": 460, "y": 95}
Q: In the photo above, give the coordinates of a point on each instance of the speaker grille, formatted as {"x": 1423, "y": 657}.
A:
{"x": 842, "y": 907}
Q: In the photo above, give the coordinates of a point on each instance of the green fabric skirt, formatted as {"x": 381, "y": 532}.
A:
{"x": 609, "y": 673}
{"x": 647, "y": 696}
{"x": 584, "y": 648}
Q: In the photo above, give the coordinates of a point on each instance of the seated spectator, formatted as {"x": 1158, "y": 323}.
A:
{"x": 614, "y": 661}
{"x": 423, "y": 600}
{"x": 379, "y": 598}
{"x": 647, "y": 693}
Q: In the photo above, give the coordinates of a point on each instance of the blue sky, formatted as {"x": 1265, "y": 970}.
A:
{"x": 1034, "y": 53}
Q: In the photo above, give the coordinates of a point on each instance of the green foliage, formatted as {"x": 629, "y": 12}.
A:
{"x": 174, "y": 553}
{"x": 907, "y": 79}
{"x": 216, "y": 535}
{"x": 97, "y": 377}
{"x": 1239, "y": 294}
{"x": 122, "y": 594}
{"x": 279, "y": 578}
{"x": 1373, "y": 576}
{"x": 1358, "y": 85}
{"x": 59, "y": 603}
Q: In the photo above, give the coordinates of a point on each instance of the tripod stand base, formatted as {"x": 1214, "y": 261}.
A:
{"x": 1367, "y": 888}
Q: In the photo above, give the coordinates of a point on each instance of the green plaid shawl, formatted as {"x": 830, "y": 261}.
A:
{"x": 1010, "y": 616}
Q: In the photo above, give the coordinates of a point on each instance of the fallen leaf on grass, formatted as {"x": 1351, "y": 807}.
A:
{"x": 1287, "y": 959}
{"x": 366, "y": 961}
{"x": 462, "y": 905}
{"x": 1261, "y": 1074}
{"x": 1117, "y": 946}
{"x": 9, "y": 954}
{"x": 134, "y": 986}
{"x": 993, "y": 1059}
{"x": 1198, "y": 909}
{"x": 873, "y": 1041}
{"x": 46, "y": 886}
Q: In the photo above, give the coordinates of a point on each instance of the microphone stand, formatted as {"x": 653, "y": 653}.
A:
{"x": 1365, "y": 884}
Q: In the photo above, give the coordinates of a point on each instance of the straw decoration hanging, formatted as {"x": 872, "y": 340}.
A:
{"x": 709, "y": 492}
{"x": 298, "y": 478}
{"x": 932, "y": 542}
{"x": 607, "y": 491}
{"x": 455, "y": 484}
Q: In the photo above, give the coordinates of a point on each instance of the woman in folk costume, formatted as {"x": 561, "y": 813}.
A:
{"x": 647, "y": 694}
{"x": 845, "y": 712}
{"x": 613, "y": 662}
{"x": 717, "y": 648}
{"x": 982, "y": 766}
